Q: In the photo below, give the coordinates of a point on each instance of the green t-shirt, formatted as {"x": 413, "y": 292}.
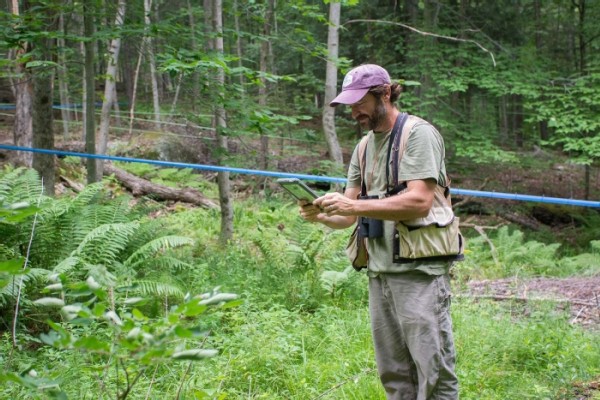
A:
{"x": 422, "y": 159}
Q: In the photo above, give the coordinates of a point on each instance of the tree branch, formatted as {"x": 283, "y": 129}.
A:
{"x": 424, "y": 33}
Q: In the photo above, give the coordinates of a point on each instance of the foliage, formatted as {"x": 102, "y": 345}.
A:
{"x": 508, "y": 254}
{"x": 302, "y": 331}
{"x": 502, "y": 354}
{"x": 88, "y": 235}
{"x": 571, "y": 106}
{"x": 115, "y": 335}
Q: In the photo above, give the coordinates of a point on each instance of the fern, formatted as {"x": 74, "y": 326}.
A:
{"x": 334, "y": 281}
{"x": 104, "y": 243}
{"x": 155, "y": 246}
{"x": 157, "y": 288}
{"x": 20, "y": 185}
{"x": 30, "y": 276}
{"x": 66, "y": 265}
{"x": 166, "y": 263}
{"x": 87, "y": 195}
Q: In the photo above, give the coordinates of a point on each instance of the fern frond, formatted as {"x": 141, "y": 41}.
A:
{"x": 66, "y": 265}
{"x": 166, "y": 263}
{"x": 156, "y": 288}
{"x": 332, "y": 281}
{"x": 31, "y": 276}
{"x": 89, "y": 193}
{"x": 104, "y": 243}
{"x": 155, "y": 246}
{"x": 21, "y": 185}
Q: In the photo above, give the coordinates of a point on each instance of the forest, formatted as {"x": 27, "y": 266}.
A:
{"x": 147, "y": 252}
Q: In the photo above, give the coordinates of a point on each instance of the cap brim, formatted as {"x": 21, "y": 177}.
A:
{"x": 349, "y": 97}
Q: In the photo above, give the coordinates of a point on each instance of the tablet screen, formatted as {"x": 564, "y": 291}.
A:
{"x": 298, "y": 189}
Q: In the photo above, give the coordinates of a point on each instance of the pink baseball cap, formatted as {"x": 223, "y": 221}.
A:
{"x": 358, "y": 81}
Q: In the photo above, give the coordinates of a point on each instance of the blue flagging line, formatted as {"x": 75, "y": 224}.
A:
{"x": 314, "y": 178}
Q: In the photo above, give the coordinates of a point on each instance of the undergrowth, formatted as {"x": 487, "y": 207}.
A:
{"x": 300, "y": 331}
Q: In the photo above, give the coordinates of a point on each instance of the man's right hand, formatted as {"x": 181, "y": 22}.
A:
{"x": 309, "y": 212}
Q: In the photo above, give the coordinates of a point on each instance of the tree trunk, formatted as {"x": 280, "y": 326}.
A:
{"x": 136, "y": 77}
{"x": 194, "y": 44}
{"x": 109, "y": 88}
{"x": 142, "y": 187}
{"x": 503, "y": 120}
{"x": 518, "y": 120}
{"x": 430, "y": 19}
{"x": 225, "y": 199}
{"x": 43, "y": 117}
{"x": 89, "y": 127}
{"x": 65, "y": 109}
{"x": 238, "y": 42}
{"x": 263, "y": 88}
{"x": 335, "y": 151}
{"x": 42, "y": 126}
{"x": 22, "y": 91}
{"x": 152, "y": 63}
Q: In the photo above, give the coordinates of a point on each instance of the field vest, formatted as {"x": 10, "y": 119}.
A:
{"x": 433, "y": 237}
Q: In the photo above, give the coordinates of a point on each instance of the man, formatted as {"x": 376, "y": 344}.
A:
{"x": 409, "y": 301}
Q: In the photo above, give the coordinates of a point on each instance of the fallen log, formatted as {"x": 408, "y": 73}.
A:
{"x": 522, "y": 220}
{"x": 140, "y": 187}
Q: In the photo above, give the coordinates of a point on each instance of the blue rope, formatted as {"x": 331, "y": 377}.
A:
{"x": 315, "y": 178}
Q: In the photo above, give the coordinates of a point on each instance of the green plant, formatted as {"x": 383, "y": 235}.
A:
{"x": 108, "y": 329}
{"x": 506, "y": 253}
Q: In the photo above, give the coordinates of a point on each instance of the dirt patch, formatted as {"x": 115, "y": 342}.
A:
{"x": 580, "y": 294}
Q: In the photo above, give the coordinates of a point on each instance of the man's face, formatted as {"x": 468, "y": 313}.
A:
{"x": 370, "y": 112}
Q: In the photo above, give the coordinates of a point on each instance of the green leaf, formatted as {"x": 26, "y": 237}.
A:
{"x": 193, "y": 309}
{"x": 181, "y": 332}
{"x": 197, "y": 354}
{"x": 50, "y": 302}
{"x": 135, "y": 300}
{"x": 92, "y": 343}
{"x": 13, "y": 267}
{"x": 219, "y": 298}
{"x": 137, "y": 314}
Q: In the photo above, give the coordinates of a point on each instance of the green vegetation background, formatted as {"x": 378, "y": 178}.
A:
{"x": 286, "y": 315}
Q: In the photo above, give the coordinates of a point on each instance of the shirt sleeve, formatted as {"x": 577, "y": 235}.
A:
{"x": 354, "y": 170}
{"x": 424, "y": 155}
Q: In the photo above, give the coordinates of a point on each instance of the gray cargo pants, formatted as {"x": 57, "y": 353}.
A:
{"x": 412, "y": 333}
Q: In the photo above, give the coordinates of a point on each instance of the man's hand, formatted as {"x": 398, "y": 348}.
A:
{"x": 335, "y": 204}
{"x": 309, "y": 211}
{"x": 337, "y": 215}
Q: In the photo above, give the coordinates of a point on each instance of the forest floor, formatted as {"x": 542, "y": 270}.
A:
{"x": 579, "y": 295}
{"x": 544, "y": 177}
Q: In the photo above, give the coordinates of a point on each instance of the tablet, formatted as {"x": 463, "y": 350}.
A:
{"x": 297, "y": 188}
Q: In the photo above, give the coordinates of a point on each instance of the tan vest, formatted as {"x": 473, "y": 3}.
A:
{"x": 435, "y": 236}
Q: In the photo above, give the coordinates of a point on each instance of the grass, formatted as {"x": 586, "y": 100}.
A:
{"x": 296, "y": 338}
{"x": 269, "y": 352}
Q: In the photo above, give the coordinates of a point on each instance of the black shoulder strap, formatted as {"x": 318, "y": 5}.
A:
{"x": 394, "y": 144}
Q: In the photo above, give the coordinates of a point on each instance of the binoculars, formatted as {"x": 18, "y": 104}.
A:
{"x": 369, "y": 227}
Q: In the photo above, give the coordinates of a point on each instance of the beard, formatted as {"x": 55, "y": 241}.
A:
{"x": 379, "y": 115}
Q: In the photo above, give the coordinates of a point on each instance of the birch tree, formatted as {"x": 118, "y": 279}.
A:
{"x": 335, "y": 152}
{"x": 109, "y": 88}
{"x": 149, "y": 50}
{"x": 262, "y": 90}
{"x": 225, "y": 199}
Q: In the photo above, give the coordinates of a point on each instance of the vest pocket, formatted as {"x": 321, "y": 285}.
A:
{"x": 430, "y": 241}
